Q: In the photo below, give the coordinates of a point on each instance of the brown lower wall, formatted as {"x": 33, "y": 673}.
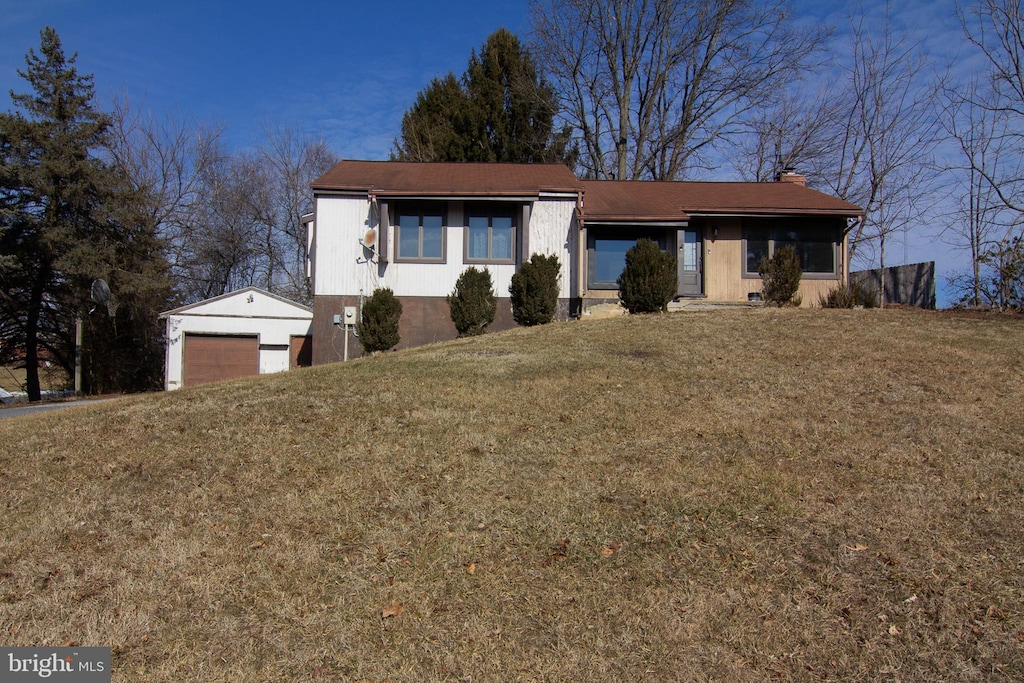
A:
{"x": 425, "y": 320}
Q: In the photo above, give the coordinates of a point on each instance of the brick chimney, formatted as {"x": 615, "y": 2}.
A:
{"x": 789, "y": 175}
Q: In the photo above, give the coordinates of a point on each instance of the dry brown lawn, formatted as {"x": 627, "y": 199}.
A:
{"x": 742, "y": 496}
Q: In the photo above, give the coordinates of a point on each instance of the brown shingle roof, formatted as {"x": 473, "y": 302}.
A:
{"x": 448, "y": 179}
{"x": 604, "y": 200}
{"x": 641, "y": 200}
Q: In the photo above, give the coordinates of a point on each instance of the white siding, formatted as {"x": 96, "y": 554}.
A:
{"x": 246, "y": 312}
{"x": 553, "y": 231}
{"x": 340, "y": 223}
{"x": 340, "y": 267}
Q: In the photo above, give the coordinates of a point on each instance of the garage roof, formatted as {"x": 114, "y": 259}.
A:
{"x": 251, "y": 302}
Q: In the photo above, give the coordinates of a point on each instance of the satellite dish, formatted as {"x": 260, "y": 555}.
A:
{"x": 369, "y": 240}
{"x": 100, "y": 293}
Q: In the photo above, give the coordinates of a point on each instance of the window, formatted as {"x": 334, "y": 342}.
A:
{"x": 606, "y": 253}
{"x": 813, "y": 240}
{"x": 421, "y": 233}
{"x": 490, "y": 235}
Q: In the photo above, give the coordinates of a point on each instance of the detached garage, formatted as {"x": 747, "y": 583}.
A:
{"x": 243, "y": 333}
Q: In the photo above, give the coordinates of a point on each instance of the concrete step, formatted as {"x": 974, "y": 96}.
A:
{"x": 706, "y": 305}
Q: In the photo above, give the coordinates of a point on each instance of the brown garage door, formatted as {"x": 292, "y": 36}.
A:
{"x": 213, "y": 358}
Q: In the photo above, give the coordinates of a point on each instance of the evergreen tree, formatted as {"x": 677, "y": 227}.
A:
{"x": 62, "y": 215}
{"x": 123, "y": 346}
{"x": 435, "y": 128}
{"x": 500, "y": 110}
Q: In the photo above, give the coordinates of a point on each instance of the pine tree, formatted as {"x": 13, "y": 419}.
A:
{"x": 65, "y": 219}
{"x": 499, "y": 111}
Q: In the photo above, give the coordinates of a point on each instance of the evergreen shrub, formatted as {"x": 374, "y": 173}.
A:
{"x": 649, "y": 280}
{"x": 473, "y": 302}
{"x": 780, "y": 277}
{"x": 534, "y": 290}
{"x": 378, "y": 328}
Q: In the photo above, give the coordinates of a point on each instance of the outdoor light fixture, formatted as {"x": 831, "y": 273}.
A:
{"x": 714, "y": 233}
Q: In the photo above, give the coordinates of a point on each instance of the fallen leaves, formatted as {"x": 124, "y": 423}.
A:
{"x": 859, "y": 548}
{"x": 610, "y": 549}
{"x": 392, "y": 610}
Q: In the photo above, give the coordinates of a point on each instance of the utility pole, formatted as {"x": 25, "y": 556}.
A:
{"x": 78, "y": 356}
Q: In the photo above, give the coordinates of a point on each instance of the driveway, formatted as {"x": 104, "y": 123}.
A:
{"x": 31, "y": 408}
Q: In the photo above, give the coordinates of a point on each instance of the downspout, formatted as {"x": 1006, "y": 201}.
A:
{"x": 581, "y": 251}
{"x": 846, "y": 249}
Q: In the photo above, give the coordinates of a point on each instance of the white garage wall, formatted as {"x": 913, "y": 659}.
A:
{"x": 247, "y": 312}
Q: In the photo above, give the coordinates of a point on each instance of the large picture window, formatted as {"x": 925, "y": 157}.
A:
{"x": 421, "y": 233}
{"x": 814, "y": 242}
{"x": 606, "y": 253}
{"x": 490, "y": 235}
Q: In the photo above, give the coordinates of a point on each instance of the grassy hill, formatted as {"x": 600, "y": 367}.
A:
{"x": 744, "y": 495}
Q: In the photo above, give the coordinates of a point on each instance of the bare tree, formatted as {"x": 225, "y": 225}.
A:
{"x": 982, "y": 223}
{"x": 888, "y": 133}
{"x": 996, "y": 29}
{"x": 650, "y": 87}
{"x": 795, "y": 132}
{"x": 227, "y": 220}
{"x": 167, "y": 161}
{"x": 288, "y": 162}
{"x": 867, "y": 137}
{"x": 223, "y": 249}
{"x": 986, "y": 119}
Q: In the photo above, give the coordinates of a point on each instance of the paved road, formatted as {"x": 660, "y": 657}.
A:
{"x": 30, "y": 409}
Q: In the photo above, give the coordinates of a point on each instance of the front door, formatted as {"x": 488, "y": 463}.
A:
{"x": 691, "y": 280}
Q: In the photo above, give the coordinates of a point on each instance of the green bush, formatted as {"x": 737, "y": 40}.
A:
{"x": 534, "y": 290}
{"x": 649, "y": 280}
{"x": 378, "y": 327}
{"x": 780, "y": 277}
{"x": 473, "y": 303}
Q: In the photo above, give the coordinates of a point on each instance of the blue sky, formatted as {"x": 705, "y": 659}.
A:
{"x": 346, "y": 71}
